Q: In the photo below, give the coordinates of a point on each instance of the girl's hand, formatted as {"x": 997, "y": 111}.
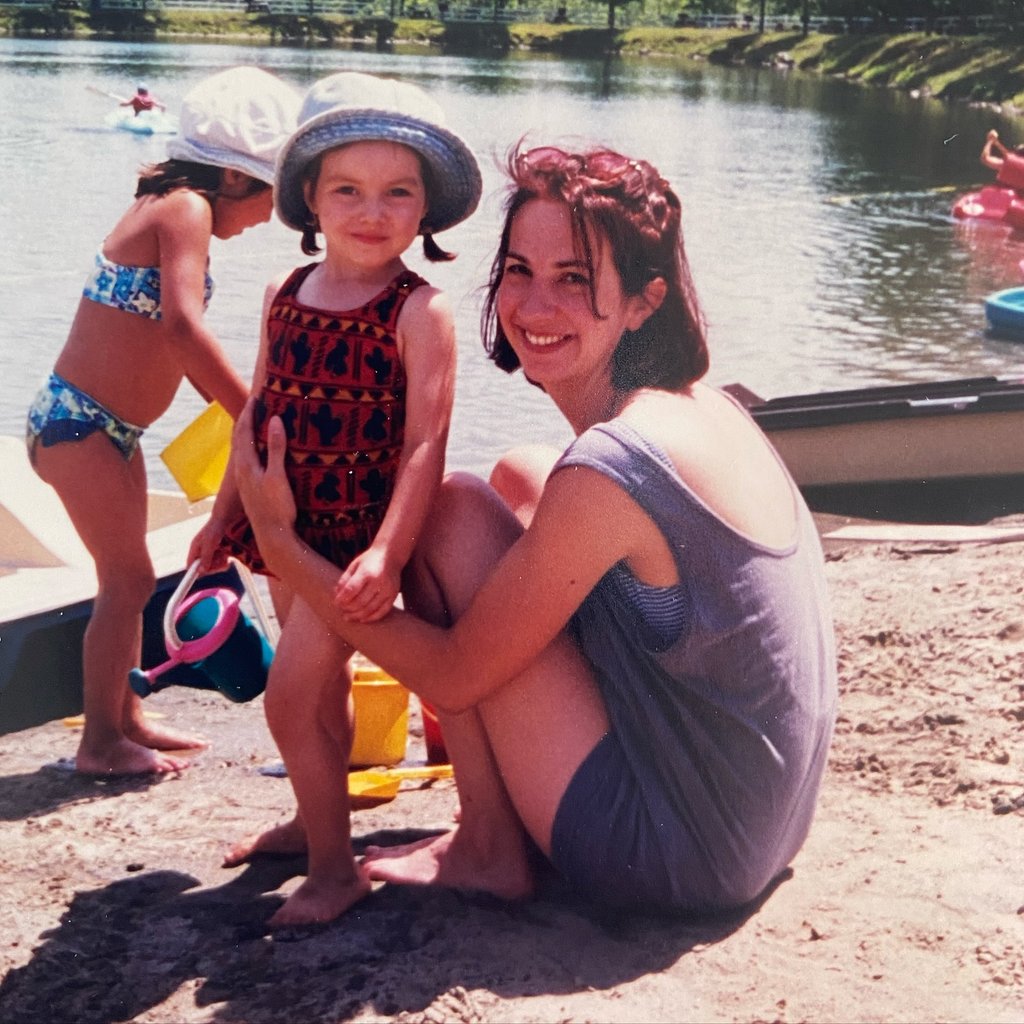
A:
{"x": 265, "y": 492}
{"x": 206, "y": 548}
{"x": 367, "y": 588}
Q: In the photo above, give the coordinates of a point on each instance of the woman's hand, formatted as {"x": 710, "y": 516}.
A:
{"x": 265, "y": 491}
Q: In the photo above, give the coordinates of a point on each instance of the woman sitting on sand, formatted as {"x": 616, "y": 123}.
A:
{"x": 631, "y": 652}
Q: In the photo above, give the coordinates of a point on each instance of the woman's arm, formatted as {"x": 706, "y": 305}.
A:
{"x": 183, "y": 235}
{"x": 584, "y": 525}
{"x": 369, "y": 586}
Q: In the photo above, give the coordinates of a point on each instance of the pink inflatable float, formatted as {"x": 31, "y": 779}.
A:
{"x": 1004, "y": 205}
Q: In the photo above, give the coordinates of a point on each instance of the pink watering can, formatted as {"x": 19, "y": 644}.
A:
{"x": 209, "y": 632}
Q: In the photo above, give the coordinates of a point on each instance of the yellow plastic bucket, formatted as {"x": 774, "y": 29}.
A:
{"x": 198, "y": 456}
{"x": 382, "y": 718}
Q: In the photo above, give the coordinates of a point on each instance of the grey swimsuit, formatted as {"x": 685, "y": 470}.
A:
{"x": 721, "y": 704}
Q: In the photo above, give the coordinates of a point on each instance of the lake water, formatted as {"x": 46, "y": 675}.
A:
{"x": 816, "y": 214}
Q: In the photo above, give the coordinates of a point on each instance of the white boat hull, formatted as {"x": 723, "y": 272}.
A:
{"x": 943, "y": 451}
{"x": 48, "y": 584}
{"x": 902, "y": 451}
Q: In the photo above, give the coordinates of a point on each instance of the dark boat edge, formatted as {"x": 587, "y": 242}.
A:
{"x": 899, "y": 401}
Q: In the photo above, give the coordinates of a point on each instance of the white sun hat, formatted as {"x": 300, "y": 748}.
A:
{"x": 237, "y": 118}
{"x": 355, "y": 107}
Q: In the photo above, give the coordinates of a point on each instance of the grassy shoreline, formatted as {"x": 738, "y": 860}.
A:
{"x": 979, "y": 69}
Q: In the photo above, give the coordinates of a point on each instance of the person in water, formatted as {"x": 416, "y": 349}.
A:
{"x": 1007, "y": 163}
{"x": 143, "y": 100}
{"x": 630, "y": 644}
{"x": 138, "y": 331}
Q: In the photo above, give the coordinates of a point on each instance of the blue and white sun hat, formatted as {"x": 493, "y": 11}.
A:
{"x": 238, "y": 118}
{"x": 355, "y": 107}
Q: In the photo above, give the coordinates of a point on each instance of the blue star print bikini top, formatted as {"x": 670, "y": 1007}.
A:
{"x": 130, "y": 289}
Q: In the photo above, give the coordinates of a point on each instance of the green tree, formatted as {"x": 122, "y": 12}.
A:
{"x": 612, "y": 4}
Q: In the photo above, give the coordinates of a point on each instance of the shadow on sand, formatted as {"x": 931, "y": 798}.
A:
{"x": 157, "y": 945}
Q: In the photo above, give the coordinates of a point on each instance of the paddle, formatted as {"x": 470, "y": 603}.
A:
{"x": 109, "y": 95}
{"x": 853, "y": 197}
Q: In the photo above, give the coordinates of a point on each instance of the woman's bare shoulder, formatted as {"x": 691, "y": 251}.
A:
{"x": 722, "y": 456}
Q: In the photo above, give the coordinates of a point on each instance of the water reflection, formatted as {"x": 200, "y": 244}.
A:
{"x": 816, "y": 212}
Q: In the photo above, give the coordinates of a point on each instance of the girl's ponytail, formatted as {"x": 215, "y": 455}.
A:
{"x": 433, "y": 252}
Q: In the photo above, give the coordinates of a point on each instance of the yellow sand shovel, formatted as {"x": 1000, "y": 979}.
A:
{"x": 198, "y": 456}
{"x": 377, "y": 786}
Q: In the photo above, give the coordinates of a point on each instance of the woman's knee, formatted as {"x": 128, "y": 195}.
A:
{"x": 470, "y": 509}
{"x": 519, "y": 477}
{"x": 468, "y": 531}
{"x": 468, "y": 521}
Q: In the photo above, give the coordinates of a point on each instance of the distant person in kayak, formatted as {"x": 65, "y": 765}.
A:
{"x": 630, "y": 643}
{"x": 142, "y": 100}
{"x": 139, "y": 330}
{"x": 1007, "y": 163}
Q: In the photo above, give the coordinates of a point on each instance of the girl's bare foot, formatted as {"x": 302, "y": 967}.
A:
{"x": 287, "y": 840}
{"x": 125, "y": 757}
{"x": 156, "y": 738}
{"x": 317, "y": 901}
{"x": 452, "y": 861}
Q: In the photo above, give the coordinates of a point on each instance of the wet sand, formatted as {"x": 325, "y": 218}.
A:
{"x": 906, "y": 904}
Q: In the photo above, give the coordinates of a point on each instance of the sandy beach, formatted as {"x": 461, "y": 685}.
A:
{"x": 906, "y": 904}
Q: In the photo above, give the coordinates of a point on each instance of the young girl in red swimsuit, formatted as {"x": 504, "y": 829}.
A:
{"x": 358, "y": 359}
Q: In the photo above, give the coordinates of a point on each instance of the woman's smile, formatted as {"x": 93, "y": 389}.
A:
{"x": 547, "y": 304}
{"x": 543, "y": 340}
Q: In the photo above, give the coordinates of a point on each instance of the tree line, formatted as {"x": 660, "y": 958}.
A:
{"x": 1001, "y": 12}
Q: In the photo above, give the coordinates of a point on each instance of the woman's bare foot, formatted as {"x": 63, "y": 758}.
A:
{"x": 319, "y": 900}
{"x": 147, "y": 735}
{"x": 287, "y": 840}
{"x": 453, "y": 861}
{"x": 384, "y": 852}
{"x": 125, "y": 757}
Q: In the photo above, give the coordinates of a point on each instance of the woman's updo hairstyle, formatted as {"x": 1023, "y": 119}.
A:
{"x": 628, "y": 202}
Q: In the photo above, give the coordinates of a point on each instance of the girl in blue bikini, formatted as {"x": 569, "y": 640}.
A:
{"x": 138, "y": 331}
